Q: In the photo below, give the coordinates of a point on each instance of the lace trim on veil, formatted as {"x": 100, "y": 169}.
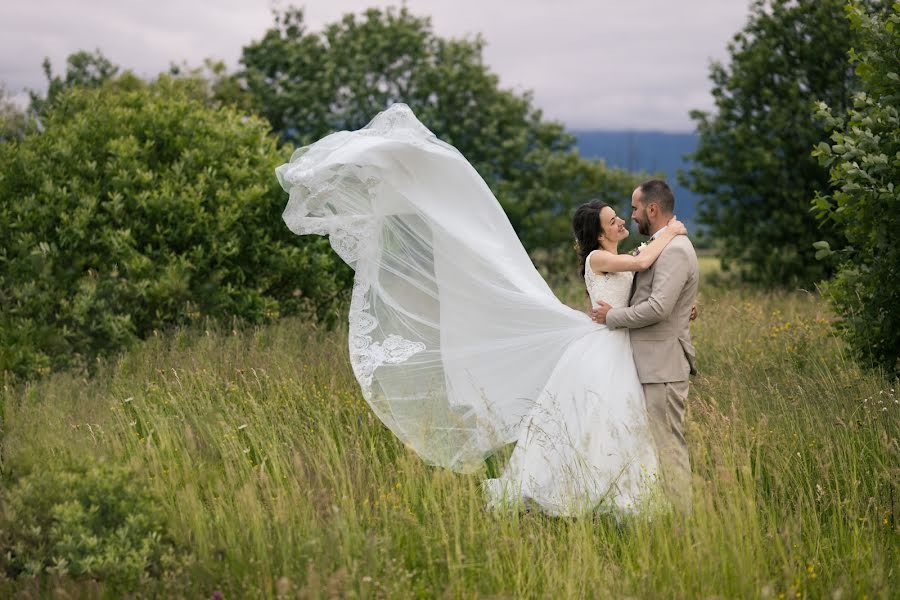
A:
{"x": 350, "y": 237}
{"x": 366, "y": 355}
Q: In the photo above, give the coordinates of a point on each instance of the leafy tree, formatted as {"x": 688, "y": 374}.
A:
{"x": 752, "y": 167}
{"x": 12, "y": 119}
{"x": 139, "y": 207}
{"x": 83, "y": 69}
{"x": 209, "y": 82}
{"x": 213, "y": 84}
{"x": 310, "y": 84}
{"x": 864, "y": 165}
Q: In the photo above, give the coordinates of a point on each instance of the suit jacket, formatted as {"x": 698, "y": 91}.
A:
{"x": 659, "y": 315}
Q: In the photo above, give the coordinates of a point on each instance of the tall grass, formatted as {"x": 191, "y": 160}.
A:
{"x": 276, "y": 479}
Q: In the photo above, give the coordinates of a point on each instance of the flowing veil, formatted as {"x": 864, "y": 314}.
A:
{"x": 453, "y": 332}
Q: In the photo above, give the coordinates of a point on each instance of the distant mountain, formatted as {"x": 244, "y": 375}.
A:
{"x": 650, "y": 151}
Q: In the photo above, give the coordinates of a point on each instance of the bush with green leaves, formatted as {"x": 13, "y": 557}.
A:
{"x": 82, "y": 522}
{"x": 141, "y": 206}
{"x": 863, "y": 159}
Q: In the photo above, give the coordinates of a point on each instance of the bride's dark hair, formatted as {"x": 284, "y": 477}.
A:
{"x": 586, "y": 226}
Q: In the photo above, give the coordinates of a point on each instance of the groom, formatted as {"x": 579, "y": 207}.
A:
{"x": 658, "y": 316}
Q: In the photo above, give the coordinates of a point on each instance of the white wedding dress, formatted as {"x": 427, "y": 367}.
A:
{"x": 459, "y": 345}
{"x": 586, "y": 444}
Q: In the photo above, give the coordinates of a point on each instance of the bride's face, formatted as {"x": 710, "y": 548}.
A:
{"x": 611, "y": 225}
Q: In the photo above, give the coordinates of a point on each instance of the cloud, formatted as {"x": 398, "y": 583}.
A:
{"x": 590, "y": 63}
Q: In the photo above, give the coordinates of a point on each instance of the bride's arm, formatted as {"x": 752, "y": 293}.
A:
{"x": 607, "y": 262}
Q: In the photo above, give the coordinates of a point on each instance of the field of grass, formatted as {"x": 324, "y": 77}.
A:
{"x": 261, "y": 472}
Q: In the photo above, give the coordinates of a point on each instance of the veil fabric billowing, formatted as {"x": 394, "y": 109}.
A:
{"x": 453, "y": 332}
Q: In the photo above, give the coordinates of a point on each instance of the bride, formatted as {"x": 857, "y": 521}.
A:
{"x": 458, "y": 344}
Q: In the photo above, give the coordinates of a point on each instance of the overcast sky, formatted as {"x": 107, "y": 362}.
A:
{"x": 605, "y": 64}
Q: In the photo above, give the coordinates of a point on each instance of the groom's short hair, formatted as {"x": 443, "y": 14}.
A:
{"x": 657, "y": 190}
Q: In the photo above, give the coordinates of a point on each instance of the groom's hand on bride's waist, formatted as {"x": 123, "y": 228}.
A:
{"x": 599, "y": 314}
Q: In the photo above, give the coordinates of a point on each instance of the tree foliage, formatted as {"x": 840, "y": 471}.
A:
{"x": 863, "y": 158}
{"x": 309, "y": 84}
{"x": 139, "y": 207}
{"x": 213, "y": 84}
{"x": 143, "y": 205}
{"x": 13, "y": 120}
{"x": 752, "y": 167}
{"x": 83, "y": 69}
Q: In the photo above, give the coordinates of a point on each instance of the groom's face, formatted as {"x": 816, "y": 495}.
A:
{"x": 639, "y": 213}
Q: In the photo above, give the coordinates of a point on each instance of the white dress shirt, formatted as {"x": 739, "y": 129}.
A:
{"x": 656, "y": 235}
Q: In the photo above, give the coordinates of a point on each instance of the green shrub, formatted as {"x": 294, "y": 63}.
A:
{"x": 864, "y": 164}
{"x": 139, "y": 207}
{"x": 83, "y": 522}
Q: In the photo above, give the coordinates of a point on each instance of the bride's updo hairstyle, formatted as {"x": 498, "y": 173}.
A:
{"x": 586, "y": 226}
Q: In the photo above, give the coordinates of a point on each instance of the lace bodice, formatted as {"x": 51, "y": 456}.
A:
{"x": 612, "y": 288}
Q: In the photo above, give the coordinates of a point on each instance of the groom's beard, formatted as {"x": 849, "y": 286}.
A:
{"x": 643, "y": 227}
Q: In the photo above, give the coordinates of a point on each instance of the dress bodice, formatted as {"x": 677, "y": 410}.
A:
{"x": 612, "y": 288}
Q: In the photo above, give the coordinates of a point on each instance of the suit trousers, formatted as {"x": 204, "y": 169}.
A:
{"x": 666, "y": 403}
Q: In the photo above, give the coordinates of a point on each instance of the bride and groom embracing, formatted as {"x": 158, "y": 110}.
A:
{"x": 459, "y": 345}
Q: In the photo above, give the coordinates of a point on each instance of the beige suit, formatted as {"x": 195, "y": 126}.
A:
{"x": 659, "y": 320}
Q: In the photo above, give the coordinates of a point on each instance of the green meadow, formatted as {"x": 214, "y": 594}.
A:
{"x": 243, "y": 462}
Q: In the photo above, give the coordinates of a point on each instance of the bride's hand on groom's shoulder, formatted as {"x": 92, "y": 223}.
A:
{"x": 676, "y": 226}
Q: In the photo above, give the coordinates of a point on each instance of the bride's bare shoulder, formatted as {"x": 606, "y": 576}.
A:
{"x": 597, "y": 261}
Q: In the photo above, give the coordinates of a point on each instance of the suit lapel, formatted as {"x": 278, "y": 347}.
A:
{"x": 634, "y": 281}
{"x": 633, "y": 288}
